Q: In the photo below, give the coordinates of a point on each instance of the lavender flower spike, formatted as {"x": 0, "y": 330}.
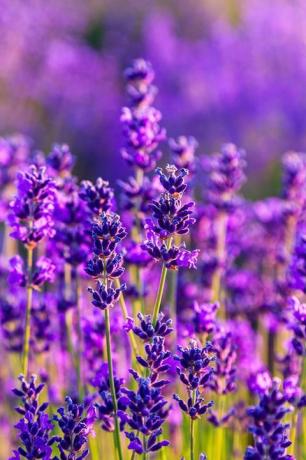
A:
{"x": 270, "y": 434}
{"x": 35, "y": 425}
{"x": 76, "y": 425}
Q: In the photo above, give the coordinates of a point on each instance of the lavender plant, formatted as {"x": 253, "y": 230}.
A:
{"x": 233, "y": 319}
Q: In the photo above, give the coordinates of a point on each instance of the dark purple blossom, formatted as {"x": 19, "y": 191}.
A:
{"x": 298, "y": 326}
{"x": 294, "y": 178}
{"x": 156, "y": 360}
{"x": 104, "y": 403}
{"x": 146, "y": 330}
{"x": 174, "y": 257}
{"x": 223, "y": 379}
{"x": 183, "y": 152}
{"x": 226, "y": 176}
{"x": 140, "y": 123}
{"x": 31, "y": 216}
{"x": 99, "y": 196}
{"x": 75, "y": 421}
{"x": 105, "y": 296}
{"x": 205, "y": 317}
{"x": 147, "y": 411}
{"x": 60, "y": 160}
{"x": 194, "y": 372}
{"x": 270, "y": 434}
{"x": 35, "y": 425}
{"x": 44, "y": 272}
{"x": 72, "y": 237}
{"x": 298, "y": 265}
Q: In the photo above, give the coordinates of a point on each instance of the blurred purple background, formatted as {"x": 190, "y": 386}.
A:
{"x": 227, "y": 70}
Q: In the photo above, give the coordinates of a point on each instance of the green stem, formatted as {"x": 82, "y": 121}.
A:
{"x": 125, "y": 315}
{"x": 117, "y": 441}
{"x": 80, "y": 339}
{"x": 192, "y": 428}
{"x": 159, "y": 294}
{"x": 191, "y": 439}
{"x": 27, "y": 331}
{"x": 221, "y": 227}
{"x": 219, "y": 432}
{"x": 144, "y": 455}
{"x": 173, "y": 301}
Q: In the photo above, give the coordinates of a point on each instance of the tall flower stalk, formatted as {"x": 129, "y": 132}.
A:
{"x": 170, "y": 217}
{"x": 31, "y": 218}
{"x": 143, "y": 133}
{"x": 106, "y": 265}
{"x": 225, "y": 179}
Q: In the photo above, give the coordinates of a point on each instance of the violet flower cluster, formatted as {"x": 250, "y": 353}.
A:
{"x": 236, "y": 320}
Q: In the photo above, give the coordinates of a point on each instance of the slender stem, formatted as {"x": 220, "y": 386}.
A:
{"x": 191, "y": 439}
{"x": 27, "y": 331}
{"x": 125, "y": 315}
{"x": 221, "y": 226}
{"x": 144, "y": 455}
{"x": 173, "y": 301}
{"x": 193, "y": 395}
{"x": 117, "y": 441}
{"x": 219, "y": 432}
{"x": 159, "y": 294}
{"x": 79, "y": 350}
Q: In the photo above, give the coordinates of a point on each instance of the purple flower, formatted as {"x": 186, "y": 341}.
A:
{"x": 226, "y": 176}
{"x": 104, "y": 405}
{"x": 139, "y": 79}
{"x": 105, "y": 296}
{"x": 298, "y": 326}
{"x": 294, "y": 177}
{"x": 270, "y": 434}
{"x": 60, "y": 160}
{"x": 173, "y": 257}
{"x": 31, "y": 215}
{"x": 107, "y": 263}
{"x": 12, "y": 328}
{"x": 156, "y": 360}
{"x": 183, "y": 152}
{"x": 141, "y": 122}
{"x": 136, "y": 196}
{"x": 170, "y": 216}
{"x": 205, "y": 317}
{"x": 107, "y": 233}
{"x": 44, "y": 272}
{"x": 297, "y": 272}
{"x": 223, "y": 379}
{"x": 75, "y": 422}
{"x": 99, "y": 196}
{"x": 146, "y": 330}
{"x": 35, "y": 425}
{"x": 146, "y": 413}
{"x": 260, "y": 381}
{"x": 72, "y": 236}
{"x": 194, "y": 371}
{"x": 17, "y": 275}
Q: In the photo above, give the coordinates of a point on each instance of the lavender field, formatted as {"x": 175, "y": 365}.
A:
{"x": 152, "y": 230}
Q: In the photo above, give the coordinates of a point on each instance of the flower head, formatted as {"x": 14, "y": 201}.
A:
{"x": 99, "y": 196}
{"x": 75, "y": 422}
{"x": 31, "y": 215}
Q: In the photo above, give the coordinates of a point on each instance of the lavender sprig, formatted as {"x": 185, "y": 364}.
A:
{"x": 75, "y": 422}
{"x": 35, "y": 425}
{"x": 270, "y": 434}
